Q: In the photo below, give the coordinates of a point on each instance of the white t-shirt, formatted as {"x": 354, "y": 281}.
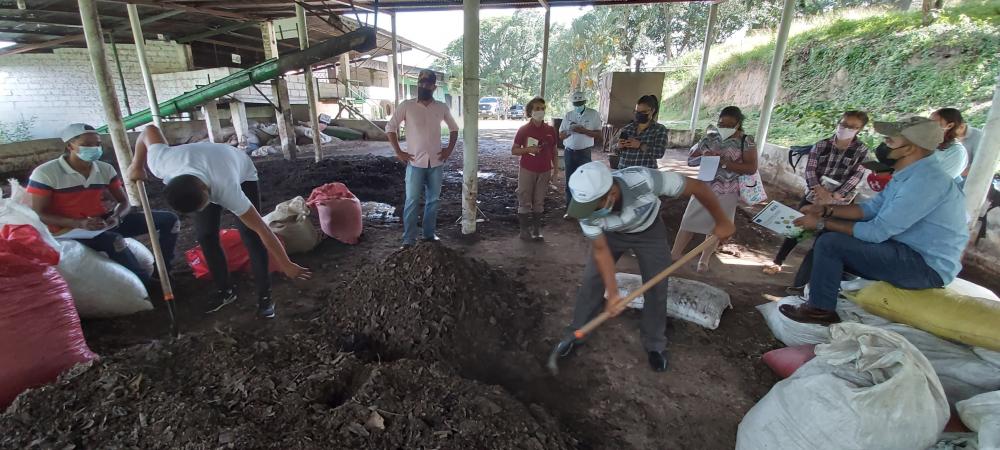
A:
{"x": 222, "y": 167}
{"x": 641, "y": 190}
{"x": 589, "y": 119}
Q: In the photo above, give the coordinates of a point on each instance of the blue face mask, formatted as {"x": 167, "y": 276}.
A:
{"x": 581, "y": 108}
{"x": 90, "y": 154}
{"x": 600, "y": 213}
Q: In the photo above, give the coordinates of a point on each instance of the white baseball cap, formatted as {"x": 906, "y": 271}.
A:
{"x": 588, "y": 185}
{"x": 73, "y": 130}
{"x": 325, "y": 119}
{"x": 578, "y": 96}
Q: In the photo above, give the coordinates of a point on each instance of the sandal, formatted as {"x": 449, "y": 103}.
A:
{"x": 772, "y": 269}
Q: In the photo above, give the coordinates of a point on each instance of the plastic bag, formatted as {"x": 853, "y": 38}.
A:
{"x": 339, "y": 212}
{"x": 970, "y": 320}
{"x": 845, "y": 397}
{"x": 13, "y": 211}
{"x": 290, "y": 221}
{"x": 788, "y": 331}
{"x": 982, "y": 414}
{"x": 145, "y": 258}
{"x": 689, "y": 300}
{"x": 40, "y": 334}
{"x": 101, "y": 287}
{"x": 237, "y": 256}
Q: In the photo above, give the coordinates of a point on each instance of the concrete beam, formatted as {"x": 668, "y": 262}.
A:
{"x": 470, "y": 137}
{"x": 713, "y": 13}
{"x": 210, "y": 112}
{"x": 774, "y": 76}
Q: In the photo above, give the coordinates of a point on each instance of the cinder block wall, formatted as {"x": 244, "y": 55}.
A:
{"x": 58, "y": 88}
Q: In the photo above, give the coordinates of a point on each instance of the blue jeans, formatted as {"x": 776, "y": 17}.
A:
{"x": 112, "y": 241}
{"x": 573, "y": 159}
{"x": 889, "y": 261}
{"x": 426, "y": 181}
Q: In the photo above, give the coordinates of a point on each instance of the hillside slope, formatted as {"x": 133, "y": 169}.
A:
{"x": 886, "y": 63}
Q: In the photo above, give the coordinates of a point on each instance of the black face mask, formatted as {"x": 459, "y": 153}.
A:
{"x": 641, "y": 117}
{"x": 882, "y": 154}
{"x": 424, "y": 93}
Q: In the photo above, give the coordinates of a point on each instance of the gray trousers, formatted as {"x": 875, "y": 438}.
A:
{"x": 653, "y": 251}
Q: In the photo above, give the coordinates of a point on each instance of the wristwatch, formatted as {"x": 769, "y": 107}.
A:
{"x": 820, "y": 225}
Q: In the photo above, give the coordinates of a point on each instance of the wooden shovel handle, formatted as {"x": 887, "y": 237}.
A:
{"x": 597, "y": 321}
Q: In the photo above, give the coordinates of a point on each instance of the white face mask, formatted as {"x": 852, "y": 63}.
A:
{"x": 538, "y": 115}
{"x": 726, "y": 133}
{"x": 845, "y": 134}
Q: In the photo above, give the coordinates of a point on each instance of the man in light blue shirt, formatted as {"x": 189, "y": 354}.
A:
{"x": 911, "y": 235}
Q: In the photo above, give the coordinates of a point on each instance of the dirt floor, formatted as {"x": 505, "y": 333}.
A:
{"x": 433, "y": 347}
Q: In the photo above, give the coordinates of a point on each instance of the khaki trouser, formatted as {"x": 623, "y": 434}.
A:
{"x": 531, "y": 187}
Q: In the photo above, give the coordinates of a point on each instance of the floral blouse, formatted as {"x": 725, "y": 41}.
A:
{"x": 732, "y": 149}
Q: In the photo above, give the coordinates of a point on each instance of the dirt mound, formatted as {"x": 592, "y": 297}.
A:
{"x": 246, "y": 390}
{"x": 431, "y": 302}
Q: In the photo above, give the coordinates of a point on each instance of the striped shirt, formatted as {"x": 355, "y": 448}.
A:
{"x": 641, "y": 190}
{"x": 653, "y": 144}
{"x": 843, "y": 166}
{"x": 71, "y": 194}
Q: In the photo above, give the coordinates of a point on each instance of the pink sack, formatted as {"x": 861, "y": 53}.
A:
{"x": 339, "y": 212}
{"x": 785, "y": 361}
{"x": 40, "y": 334}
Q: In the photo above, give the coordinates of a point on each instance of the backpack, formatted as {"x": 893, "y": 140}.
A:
{"x": 796, "y": 153}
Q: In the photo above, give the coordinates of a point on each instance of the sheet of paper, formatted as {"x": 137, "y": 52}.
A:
{"x": 77, "y": 233}
{"x": 709, "y": 166}
{"x": 532, "y": 142}
{"x": 778, "y": 218}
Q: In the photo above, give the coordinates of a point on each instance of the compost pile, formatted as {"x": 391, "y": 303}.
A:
{"x": 431, "y": 302}
{"x": 321, "y": 385}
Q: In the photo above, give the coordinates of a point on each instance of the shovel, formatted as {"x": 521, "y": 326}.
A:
{"x": 553, "y": 363}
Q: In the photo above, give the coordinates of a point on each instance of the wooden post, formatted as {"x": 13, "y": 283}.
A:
{"x": 279, "y": 91}
{"x": 238, "y": 115}
{"x": 545, "y": 50}
{"x": 311, "y": 88}
{"x": 212, "y": 123}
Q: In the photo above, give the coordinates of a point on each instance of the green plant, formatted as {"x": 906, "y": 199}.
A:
{"x": 17, "y": 131}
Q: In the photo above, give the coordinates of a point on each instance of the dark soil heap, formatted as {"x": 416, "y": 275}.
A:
{"x": 252, "y": 391}
{"x": 431, "y": 302}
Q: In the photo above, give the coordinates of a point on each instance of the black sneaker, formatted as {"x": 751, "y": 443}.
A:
{"x": 658, "y": 361}
{"x": 265, "y": 308}
{"x": 222, "y": 298}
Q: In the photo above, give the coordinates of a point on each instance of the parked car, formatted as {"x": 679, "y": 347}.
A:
{"x": 516, "y": 112}
{"x": 492, "y": 107}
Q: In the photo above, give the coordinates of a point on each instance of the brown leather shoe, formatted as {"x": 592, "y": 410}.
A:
{"x": 807, "y": 314}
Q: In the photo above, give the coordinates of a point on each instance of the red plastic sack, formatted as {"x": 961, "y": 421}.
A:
{"x": 22, "y": 250}
{"x": 339, "y": 212}
{"x": 40, "y": 334}
{"x": 785, "y": 361}
{"x": 237, "y": 256}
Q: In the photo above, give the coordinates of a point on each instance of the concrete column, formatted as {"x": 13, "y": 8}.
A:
{"x": 470, "y": 138}
{"x": 774, "y": 76}
{"x": 210, "y": 112}
{"x": 279, "y": 95}
{"x": 109, "y": 100}
{"x": 238, "y": 115}
{"x": 713, "y": 12}
{"x": 980, "y": 178}
{"x": 311, "y": 87}
{"x": 545, "y": 50}
{"x": 394, "y": 78}
{"x": 147, "y": 78}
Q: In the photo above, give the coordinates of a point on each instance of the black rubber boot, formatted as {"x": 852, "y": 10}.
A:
{"x": 536, "y": 226}
{"x": 522, "y": 221}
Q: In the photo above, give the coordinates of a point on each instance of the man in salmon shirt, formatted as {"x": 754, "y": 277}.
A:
{"x": 535, "y": 143}
{"x": 67, "y": 193}
{"x": 424, "y": 156}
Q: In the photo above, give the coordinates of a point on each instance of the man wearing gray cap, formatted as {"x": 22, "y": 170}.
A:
{"x": 67, "y": 192}
{"x": 911, "y": 235}
{"x": 580, "y": 131}
{"x": 423, "y": 155}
